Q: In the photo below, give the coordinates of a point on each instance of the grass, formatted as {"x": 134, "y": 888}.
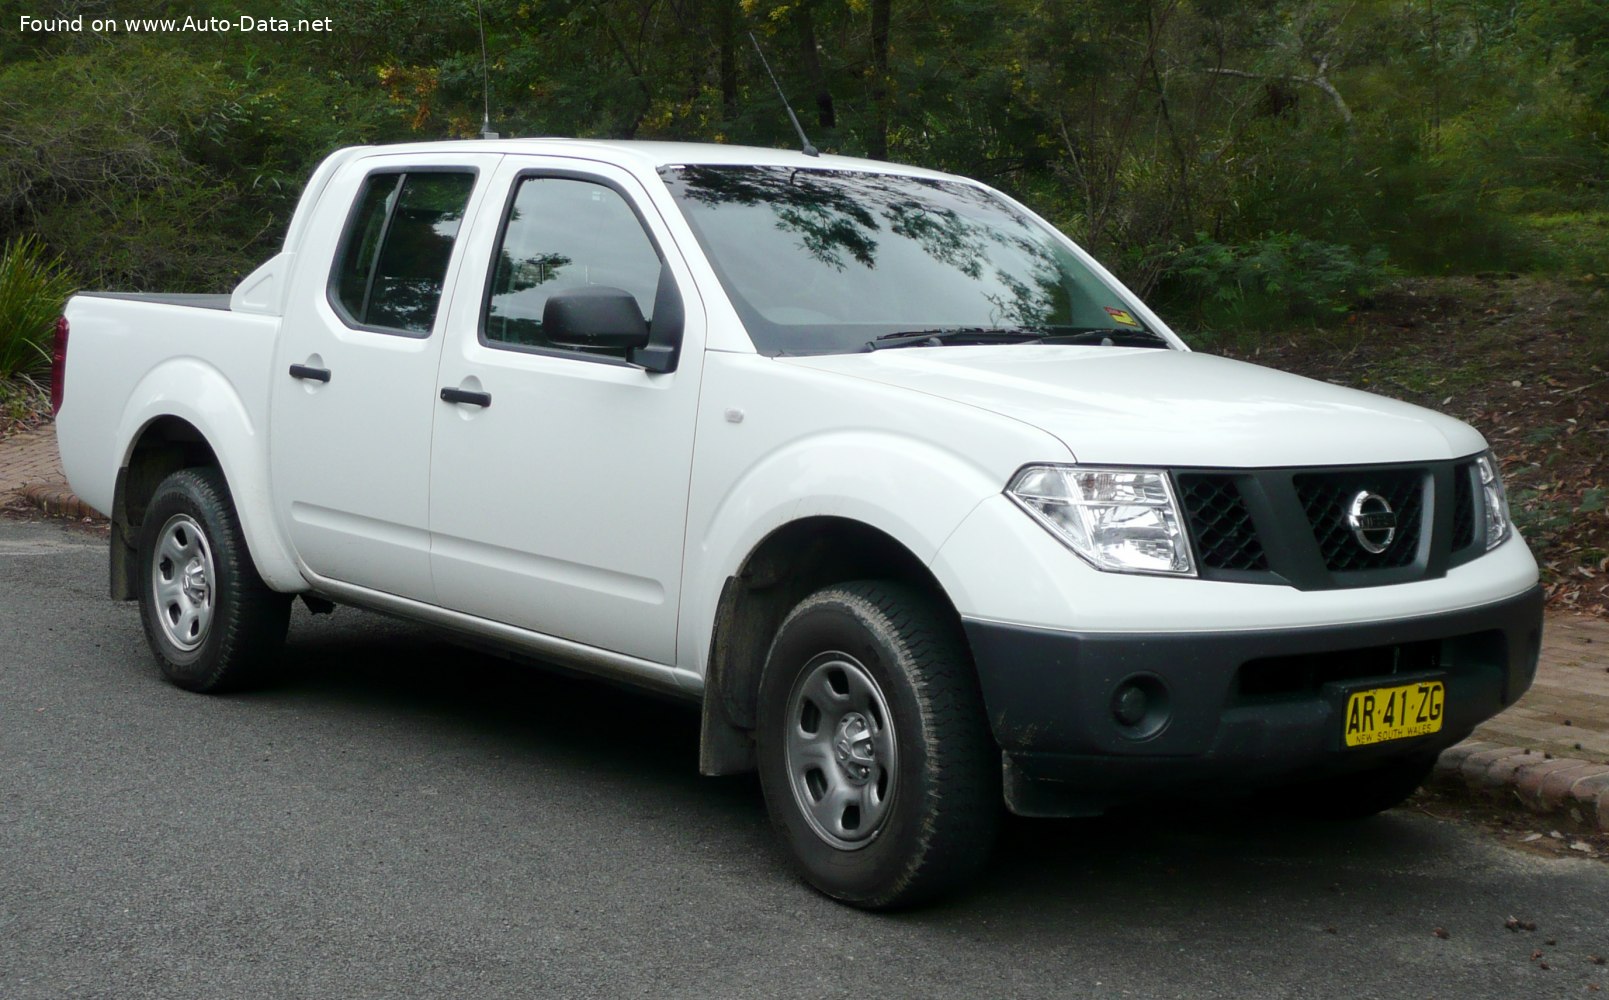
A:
{"x": 1576, "y": 241}
{"x": 33, "y": 288}
{"x": 1417, "y": 373}
{"x": 24, "y": 403}
{"x": 1537, "y": 515}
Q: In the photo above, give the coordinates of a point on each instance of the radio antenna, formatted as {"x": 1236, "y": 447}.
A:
{"x": 808, "y": 150}
{"x": 485, "y": 80}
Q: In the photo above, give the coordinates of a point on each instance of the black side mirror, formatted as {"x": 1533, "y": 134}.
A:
{"x": 594, "y": 316}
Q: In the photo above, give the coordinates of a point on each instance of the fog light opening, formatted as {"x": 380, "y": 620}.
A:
{"x": 1130, "y": 705}
{"x": 1140, "y": 706}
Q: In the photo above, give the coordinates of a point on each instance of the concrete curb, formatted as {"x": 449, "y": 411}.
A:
{"x": 1543, "y": 784}
{"x": 57, "y": 499}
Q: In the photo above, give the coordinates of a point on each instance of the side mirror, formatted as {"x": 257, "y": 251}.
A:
{"x": 594, "y": 316}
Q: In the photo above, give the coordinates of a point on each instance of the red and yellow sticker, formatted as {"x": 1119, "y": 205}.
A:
{"x": 1121, "y": 316}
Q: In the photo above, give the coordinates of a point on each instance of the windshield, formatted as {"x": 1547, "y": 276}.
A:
{"x": 827, "y": 261}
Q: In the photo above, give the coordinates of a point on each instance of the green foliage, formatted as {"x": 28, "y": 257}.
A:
{"x": 148, "y": 169}
{"x": 1458, "y": 137}
{"x": 33, "y": 288}
{"x": 1265, "y": 282}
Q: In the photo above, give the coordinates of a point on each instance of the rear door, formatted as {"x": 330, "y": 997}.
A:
{"x": 560, "y": 505}
{"x": 353, "y": 389}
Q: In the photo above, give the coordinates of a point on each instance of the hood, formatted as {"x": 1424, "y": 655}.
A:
{"x": 1169, "y": 408}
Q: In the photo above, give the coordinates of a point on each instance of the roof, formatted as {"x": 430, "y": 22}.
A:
{"x": 662, "y": 154}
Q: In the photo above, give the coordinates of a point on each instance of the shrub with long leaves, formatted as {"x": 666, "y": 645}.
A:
{"x": 1265, "y": 283}
{"x": 33, "y": 288}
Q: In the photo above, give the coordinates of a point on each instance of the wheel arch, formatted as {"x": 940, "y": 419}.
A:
{"x": 788, "y": 564}
{"x": 166, "y": 442}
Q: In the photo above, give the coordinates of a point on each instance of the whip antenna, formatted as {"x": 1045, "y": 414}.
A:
{"x": 485, "y": 80}
{"x": 808, "y": 150}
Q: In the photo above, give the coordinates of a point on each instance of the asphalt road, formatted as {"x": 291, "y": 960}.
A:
{"x": 397, "y": 817}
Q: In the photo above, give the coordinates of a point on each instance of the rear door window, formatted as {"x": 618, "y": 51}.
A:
{"x": 392, "y": 263}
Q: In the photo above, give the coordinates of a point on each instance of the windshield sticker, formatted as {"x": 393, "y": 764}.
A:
{"x": 1121, "y": 316}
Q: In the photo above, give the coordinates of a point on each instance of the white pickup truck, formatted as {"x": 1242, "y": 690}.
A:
{"x": 922, "y": 504}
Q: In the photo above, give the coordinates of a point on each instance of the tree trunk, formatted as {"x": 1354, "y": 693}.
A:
{"x": 726, "y": 42}
{"x": 877, "y": 142}
{"x": 826, "y": 115}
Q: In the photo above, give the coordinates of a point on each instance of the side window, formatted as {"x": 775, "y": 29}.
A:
{"x": 563, "y": 233}
{"x": 393, "y": 257}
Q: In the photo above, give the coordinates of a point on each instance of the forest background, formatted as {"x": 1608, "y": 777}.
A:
{"x": 1244, "y": 159}
{"x": 1409, "y": 195}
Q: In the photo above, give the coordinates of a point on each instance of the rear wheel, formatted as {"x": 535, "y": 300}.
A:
{"x": 209, "y": 618}
{"x": 875, "y": 756}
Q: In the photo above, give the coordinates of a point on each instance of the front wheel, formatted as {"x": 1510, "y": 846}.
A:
{"x": 875, "y": 756}
{"x": 209, "y": 618}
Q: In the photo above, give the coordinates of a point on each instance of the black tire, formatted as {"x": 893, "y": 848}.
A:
{"x": 1359, "y": 795}
{"x": 909, "y": 831}
{"x": 212, "y": 623}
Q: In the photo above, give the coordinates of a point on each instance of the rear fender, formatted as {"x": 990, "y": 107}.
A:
{"x": 199, "y": 394}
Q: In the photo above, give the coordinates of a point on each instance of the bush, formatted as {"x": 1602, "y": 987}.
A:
{"x": 32, "y": 291}
{"x": 152, "y": 169}
{"x": 1273, "y": 280}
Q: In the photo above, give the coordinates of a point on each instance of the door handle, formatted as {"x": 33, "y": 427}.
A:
{"x": 452, "y": 395}
{"x": 309, "y": 373}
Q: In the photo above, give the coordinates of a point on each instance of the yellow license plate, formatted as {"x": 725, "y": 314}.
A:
{"x": 1394, "y": 713}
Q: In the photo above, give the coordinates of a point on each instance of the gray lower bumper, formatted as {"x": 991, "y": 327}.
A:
{"x": 1238, "y": 710}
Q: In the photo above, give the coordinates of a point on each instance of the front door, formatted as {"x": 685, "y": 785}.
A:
{"x": 353, "y": 386}
{"x": 558, "y": 480}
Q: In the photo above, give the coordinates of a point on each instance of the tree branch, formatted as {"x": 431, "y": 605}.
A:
{"x": 1320, "y": 81}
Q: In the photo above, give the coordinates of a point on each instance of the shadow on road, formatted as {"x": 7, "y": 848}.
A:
{"x": 369, "y": 671}
{"x": 382, "y": 671}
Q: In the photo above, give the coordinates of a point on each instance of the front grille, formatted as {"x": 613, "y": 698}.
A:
{"x": 1463, "y": 506}
{"x": 1289, "y": 526}
{"x": 1326, "y": 496}
{"x": 1220, "y": 524}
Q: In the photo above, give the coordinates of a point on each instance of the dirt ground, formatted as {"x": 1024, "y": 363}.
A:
{"x": 1510, "y": 823}
{"x": 1526, "y": 361}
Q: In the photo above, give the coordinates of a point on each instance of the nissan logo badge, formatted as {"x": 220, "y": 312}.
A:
{"x": 1373, "y": 522}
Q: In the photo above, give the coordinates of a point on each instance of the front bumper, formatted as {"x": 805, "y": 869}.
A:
{"x": 1229, "y": 711}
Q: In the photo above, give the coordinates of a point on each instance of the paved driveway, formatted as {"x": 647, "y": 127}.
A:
{"x": 400, "y": 818}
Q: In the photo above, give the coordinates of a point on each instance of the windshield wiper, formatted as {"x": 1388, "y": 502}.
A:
{"x": 956, "y": 334}
{"x": 1106, "y": 336}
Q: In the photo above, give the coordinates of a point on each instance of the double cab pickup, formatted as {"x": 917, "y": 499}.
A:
{"x": 924, "y": 507}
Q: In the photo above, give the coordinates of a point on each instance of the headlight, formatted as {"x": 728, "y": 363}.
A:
{"x": 1120, "y": 520}
{"x": 1494, "y": 500}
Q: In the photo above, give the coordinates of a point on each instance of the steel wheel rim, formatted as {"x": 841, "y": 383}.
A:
{"x": 182, "y": 578}
{"x": 841, "y": 753}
